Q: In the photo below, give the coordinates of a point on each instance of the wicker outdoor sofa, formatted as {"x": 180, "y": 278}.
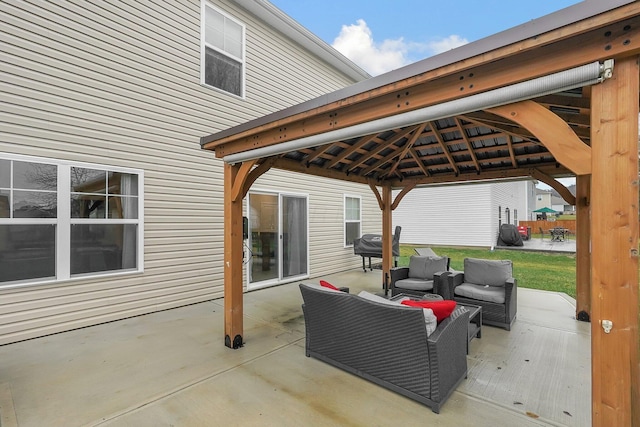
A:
{"x": 387, "y": 344}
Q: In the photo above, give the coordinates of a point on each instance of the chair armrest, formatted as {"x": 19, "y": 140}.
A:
{"x": 398, "y": 273}
{"x": 511, "y": 296}
{"x": 448, "y": 352}
{"x": 440, "y": 285}
{"x": 453, "y": 279}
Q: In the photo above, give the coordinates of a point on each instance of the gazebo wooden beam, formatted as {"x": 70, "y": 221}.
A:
{"x": 615, "y": 371}
{"x": 508, "y": 174}
{"x": 561, "y": 189}
{"x": 552, "y": 131}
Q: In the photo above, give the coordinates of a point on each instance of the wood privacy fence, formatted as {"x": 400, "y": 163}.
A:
{"x": 548, "y": 225}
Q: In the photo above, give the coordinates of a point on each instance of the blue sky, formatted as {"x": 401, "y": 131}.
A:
{"x": 381, "y": 35}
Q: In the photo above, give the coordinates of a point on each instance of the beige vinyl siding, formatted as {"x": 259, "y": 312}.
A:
{"x": 118, "y": 83}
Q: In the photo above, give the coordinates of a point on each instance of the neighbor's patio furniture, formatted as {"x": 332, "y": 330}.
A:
{"x": 387, "y": 343}
{"x": 489, "y": 284}
{"x": 558, "y": 234}
{"x": 425, "y": 274}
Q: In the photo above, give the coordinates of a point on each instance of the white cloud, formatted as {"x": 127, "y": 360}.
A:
{"x": 448, "y": 43}
{"x": 357, "y": 43}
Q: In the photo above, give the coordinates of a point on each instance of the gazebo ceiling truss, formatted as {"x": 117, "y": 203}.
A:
{"x": 588, "y": 130}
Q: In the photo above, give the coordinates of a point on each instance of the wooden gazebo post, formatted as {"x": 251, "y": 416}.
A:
{"x": 614, "y": 234}
{"x": 232, "y": 258}
{"x": 387, "y": 241}
{"x": 583, "y": 248}
{"x": 237, "y": 181}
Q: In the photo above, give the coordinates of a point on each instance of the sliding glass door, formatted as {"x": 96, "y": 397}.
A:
{"x": 278, "y": 238}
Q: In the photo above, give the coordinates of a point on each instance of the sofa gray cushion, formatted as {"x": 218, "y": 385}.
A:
{"x": 430, "y": 320}
{"x": 424, "y": 267}
{"x": 416, "y": 266}
{"x": 486, "y": 293}
{"x": 377, "y": 298}
{"x": 415, "y": 284}
{"x": 487, "y": 272}
{"x": 434, "y": 265}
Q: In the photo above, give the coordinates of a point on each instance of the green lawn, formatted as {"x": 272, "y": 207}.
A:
{"x": 547, "y": 271}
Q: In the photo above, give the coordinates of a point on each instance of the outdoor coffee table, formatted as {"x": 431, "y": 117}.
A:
{"x": 475, "y": 322}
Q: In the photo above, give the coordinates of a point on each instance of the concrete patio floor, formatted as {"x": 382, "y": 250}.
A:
{"x": 171, "y": 369}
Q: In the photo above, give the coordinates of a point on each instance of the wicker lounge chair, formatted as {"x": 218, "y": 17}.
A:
{"x": 387, "y": 344}
{"x": 425, "y": 274}
{"x": 487, "y": 283}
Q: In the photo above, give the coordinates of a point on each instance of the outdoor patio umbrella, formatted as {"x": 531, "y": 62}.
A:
{"x": 545, "y": 210}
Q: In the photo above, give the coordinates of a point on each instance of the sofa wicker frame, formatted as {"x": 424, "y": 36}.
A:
{"x": 387, "y": 344}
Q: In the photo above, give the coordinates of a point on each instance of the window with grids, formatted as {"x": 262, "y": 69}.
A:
{"x": 352, "y": 219}
{"x": 222, "y": 51}
{"x": 60, "y": 220}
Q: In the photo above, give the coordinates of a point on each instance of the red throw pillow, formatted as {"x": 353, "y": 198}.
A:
{"x": 328, "y": 285}
{"x": 441, "y": 309}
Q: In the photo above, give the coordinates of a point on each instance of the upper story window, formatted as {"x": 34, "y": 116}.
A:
{"x": 222, "y": 51}
{"x": 352, "y": 219}
{"x": 60, "y": 220}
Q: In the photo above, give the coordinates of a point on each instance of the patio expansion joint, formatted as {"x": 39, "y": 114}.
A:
{"x": 558, "y": 329}
{"x": 500, "y": 406}
{"x": 8, "y": 416}
{"x": 179, "y": 389}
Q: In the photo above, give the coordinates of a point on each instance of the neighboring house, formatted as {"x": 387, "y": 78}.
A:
{"x": 543, "y": 199}
{"x": 462, "y": 215}
{"x": 108, "y": 206}
{"x": 550, "y": 199}
{"x": 558, "y": 204}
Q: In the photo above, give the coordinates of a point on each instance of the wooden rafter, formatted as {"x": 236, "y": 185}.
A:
{"x": 397, "y": 153}
{"x": 319, "y": 151}
{"x": 386, "y": 144}
{"x": 355, "y": 147}
{"x": 512, "y": 154}
{"x": 421, "y": 165}
{"x": 465, "y": 137}
{"x": 407, "y": 147}
{"x": 443, "y": 145}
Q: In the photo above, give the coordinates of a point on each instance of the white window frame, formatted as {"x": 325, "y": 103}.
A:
{"x": 205, "y": 4}
{"x": 64, "y": 221}
{"x": 345, "y": 220}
